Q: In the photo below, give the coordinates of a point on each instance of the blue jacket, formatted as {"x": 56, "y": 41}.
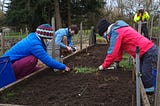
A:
{"x": 32, "y": 45}
{"x": 59, "y": 35}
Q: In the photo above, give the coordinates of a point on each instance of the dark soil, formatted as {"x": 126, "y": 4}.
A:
{"x": 92, "y": 57}
{"x": 49, "y": 88}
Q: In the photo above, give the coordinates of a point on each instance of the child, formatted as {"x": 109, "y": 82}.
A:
{"x": 63, "y": 38}
{"x": 123, "y": 38}
{"x": 24, "y": 55}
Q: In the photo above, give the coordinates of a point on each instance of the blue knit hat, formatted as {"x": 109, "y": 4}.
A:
{"x": 102, "y": 26}
{"x": 45, "y": 31}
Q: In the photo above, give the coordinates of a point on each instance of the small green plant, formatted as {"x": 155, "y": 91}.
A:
{"x": 9, "y": 95}
{"x": 125, "y": 63}
{"x": 84, "y": 70}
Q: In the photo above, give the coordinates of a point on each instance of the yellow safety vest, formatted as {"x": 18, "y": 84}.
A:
{"x": 141, "y": 17}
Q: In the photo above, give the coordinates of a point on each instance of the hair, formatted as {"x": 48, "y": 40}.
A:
{"x": 74, "y": 27}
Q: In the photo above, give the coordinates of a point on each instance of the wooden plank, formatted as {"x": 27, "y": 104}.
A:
{"x": 11, "y": 105}
{"x": 144, "y": 96}
{"x": 75, "y": 53}
{"x": 145, "y": 100}
{"x": 81, "y": 29}
{"x": 2, "y": 43}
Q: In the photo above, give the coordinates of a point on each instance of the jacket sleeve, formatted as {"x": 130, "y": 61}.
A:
{"x": 136, "y": 18}
{"x": 114, "y": 51}
{"x": 70, "y": 43}
{"x": 39, "y": 52}
{"x": 147, "y": 16}
{"x": 119, "y": 56}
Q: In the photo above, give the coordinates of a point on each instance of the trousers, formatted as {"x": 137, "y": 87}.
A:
{"x": 148, "y": 63}
{"x": 25, "y": 66}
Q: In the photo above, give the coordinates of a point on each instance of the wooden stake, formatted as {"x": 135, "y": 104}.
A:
{"x": 157, "y": 95}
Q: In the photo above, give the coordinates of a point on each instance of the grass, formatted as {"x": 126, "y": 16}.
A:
{"x": 14, "y": 35}
{"x": 98, "y": 36}
{"x": 84, "y": 70}
{"x": 125, "y": 63}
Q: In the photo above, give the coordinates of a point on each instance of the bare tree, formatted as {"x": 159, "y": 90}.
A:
{"x": 57, "y": 14}
{"x": 69, "y": 12}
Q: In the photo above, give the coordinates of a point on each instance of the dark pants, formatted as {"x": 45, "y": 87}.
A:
{"x": 144, "y": 30}
{"x": 25, "y": 66}
{"x": 148, "y": 63}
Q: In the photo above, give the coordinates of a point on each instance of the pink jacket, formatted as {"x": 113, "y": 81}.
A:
{"x": 124, "y": 38}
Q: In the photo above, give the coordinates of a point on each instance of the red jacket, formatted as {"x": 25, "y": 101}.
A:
{"x": 124, "y": 38}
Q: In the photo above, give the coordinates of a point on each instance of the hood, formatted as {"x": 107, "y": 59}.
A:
{"x": 116, "y": 25}
{"x": 120, "y": 24}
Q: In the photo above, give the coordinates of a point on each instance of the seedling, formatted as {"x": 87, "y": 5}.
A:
{"x": 84, "y": 70}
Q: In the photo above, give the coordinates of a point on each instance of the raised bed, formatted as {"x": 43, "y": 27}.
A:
{"x": 46, "y": 87}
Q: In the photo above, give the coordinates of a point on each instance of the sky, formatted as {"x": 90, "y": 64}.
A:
{"x": 5, "y": 2}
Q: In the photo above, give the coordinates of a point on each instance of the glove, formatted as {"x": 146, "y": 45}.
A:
{"x": 74, "y": 48}
{"x": 115, "y": 65}
{"x": 100, "y": 68}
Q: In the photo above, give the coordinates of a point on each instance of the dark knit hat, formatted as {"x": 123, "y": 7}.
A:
{"x": 102, "y": 26}
{"x": 45, "y": 31}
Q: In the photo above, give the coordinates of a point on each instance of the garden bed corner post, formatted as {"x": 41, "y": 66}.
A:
{"x": 138, "y": 103}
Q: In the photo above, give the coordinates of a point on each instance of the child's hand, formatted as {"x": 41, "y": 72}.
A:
{"x": 100, "y": 68}
{"x": 67, "y": 69}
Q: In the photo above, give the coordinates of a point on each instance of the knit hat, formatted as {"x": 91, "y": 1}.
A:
{"x": 45, "y": 31}
{"x": 141, "y": 7}
{"x": 102, "y": 26}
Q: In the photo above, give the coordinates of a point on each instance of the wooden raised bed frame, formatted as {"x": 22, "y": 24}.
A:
{"x": 145, "y": 100}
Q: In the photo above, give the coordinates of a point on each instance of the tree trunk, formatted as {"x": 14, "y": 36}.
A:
{"x": 57, "y": 15}
{"x": 69, "y": 12}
